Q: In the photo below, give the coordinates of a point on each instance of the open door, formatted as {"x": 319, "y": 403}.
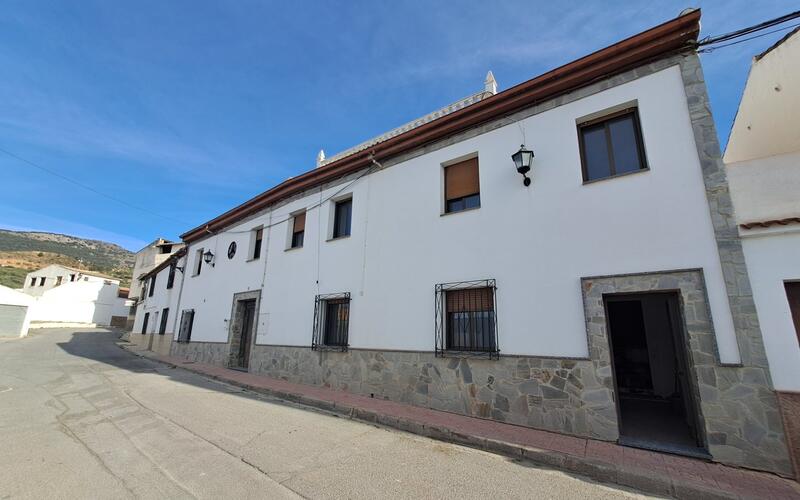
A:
{"x": 653, "y": 388}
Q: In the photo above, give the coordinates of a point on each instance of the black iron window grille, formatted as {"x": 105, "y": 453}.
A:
{"x": 331, "y": 322}
{"x": 466, "y": 319}
{"x": 185, "y": 331}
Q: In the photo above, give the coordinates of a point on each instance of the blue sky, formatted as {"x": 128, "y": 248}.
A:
{"x": 188, "y": 108}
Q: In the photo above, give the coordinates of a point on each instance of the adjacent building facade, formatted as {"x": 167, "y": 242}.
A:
{"x": 607, "y": 298}
{"x": 763, "y": 164}
{"x": 65, "y": 295}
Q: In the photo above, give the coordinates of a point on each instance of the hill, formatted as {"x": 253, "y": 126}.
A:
{"x": 22, "y": 252}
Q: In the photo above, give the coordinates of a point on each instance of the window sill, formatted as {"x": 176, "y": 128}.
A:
{"x": 252, "y": 259}
{"x": 460, "y": 211}
{"x": 617, "y": 176}
{"x": 293, "y": 248}
{"x": 338, "y": 238}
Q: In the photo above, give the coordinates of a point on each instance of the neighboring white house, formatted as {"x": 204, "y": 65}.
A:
{"x": 154, "y": 325}
{"x": 44, "y": 279}
{"x": 763, "y": 164}
{"x": 65, "y": 295}
{"x": 607, "y": 299}
{"x": 15, "y": 308}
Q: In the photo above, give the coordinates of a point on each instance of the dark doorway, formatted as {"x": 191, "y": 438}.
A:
{"x": 246, "y": 316}
{"x": 654, "y": 393}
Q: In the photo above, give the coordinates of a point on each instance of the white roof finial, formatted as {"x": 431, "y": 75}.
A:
{"x": 320, "y": 157}
{"x": 490, "y": 84}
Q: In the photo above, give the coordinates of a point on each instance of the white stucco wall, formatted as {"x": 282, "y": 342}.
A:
{"x": 78, "y": 302}
{"x": 537, "y": 242}
{"x": 772, "y": 259}
{"x": 766, "y": 188}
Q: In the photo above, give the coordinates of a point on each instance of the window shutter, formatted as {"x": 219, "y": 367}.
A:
{"x": 470, "y": 300}
{"x": 461, "y": 179}
{"x": 299, "y": 222}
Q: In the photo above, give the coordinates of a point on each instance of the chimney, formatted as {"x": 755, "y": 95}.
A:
{"x": 490, "y": 84}
{"x": 320, "y": 157}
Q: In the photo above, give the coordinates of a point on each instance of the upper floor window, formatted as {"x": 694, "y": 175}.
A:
{"x": 462, "y": 189}
{"x": 611, "y": 145}
{"x": 171, "y": 276}
{"x": 258, "y": 236}
{"x": 58, "y": 280}
{"x": 331, "y": 321}
{"x": 298, "y": 230}
{"x": 465, "y": 318}
{"x": 33, "y": 281}
{"x": 152, "y": 285}
{"x": 72, "y": 277}
{"x": 42, "y": 280}
{"x": 342, "y": 216}
{"x": 198, "y": 261}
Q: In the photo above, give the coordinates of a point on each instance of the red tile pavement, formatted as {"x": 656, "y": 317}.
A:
{"x": 685, "y": 477}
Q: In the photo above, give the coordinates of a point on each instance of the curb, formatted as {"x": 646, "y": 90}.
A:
{"x": 603, "y": 472}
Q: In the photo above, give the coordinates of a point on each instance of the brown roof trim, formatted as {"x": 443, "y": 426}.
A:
{"x": 675, "y": 35}
{"x": 771, "y": 222}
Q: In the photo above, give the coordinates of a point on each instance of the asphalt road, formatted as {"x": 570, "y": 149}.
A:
{"x": 82, "y": 418}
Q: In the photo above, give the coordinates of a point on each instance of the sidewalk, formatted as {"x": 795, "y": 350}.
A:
{"x": 650, "y": 472}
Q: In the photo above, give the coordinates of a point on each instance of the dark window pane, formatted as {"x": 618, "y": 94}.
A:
{"x": 337, "y": 314}
{"x": 297, "y": 239}
{"x": 624, "y": 144}
{"x": 342, "y": 216}
{"x": 595, "y": 152}
{"x": 464, "y": 203}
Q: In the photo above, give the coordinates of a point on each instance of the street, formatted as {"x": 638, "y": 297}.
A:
{"x": 82, "y": 418}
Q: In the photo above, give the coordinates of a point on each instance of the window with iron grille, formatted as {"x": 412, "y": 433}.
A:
{"x": 185, "y": 331}
{"x": 466, "y": 322}
{"x": 331, "y": 322}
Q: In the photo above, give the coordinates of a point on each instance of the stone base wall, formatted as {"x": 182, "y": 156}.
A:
{"x": 790, "y": 410}
{"x": 212, "y": 353}
{"x": 560, "y": 395}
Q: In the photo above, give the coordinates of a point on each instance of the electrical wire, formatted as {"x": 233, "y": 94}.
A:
{"x": 89, "y": 188}
{"x": 710, "y": 40}
{"x": 712, "y": 49}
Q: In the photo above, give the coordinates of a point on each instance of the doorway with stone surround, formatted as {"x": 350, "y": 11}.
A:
{"x": 242, "y": 329}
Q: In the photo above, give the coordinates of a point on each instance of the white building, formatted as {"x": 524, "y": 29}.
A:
{"x": 44, "y": 279}
{"x": 763, "y": 163}
{"x": 607, "y": 299}
{"x": 154, "y": 325}
{"x": 15, "y": 308}
{"x": 66, "y": 296}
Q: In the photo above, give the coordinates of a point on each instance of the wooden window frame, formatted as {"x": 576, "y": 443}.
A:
{"x": 258, "y": 243}
{"x": 335, "y": 220}
{"x": 293, "y": 235}
{"x": 446, "y": 201}
{"x": 637, "y": 129}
